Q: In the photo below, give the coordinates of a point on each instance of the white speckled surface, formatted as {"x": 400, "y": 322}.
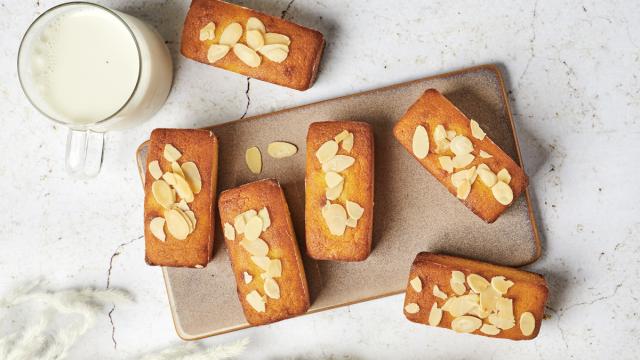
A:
{"x": 571, "y": 67}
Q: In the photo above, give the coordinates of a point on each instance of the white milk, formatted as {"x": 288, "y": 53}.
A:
{"x": 87, "y": 64}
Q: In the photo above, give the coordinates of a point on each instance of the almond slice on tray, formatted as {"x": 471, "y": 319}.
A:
{"x": 327, "y": 151}
{"x": 154, "y": 169}
{"x": 253, "y": 158}
{"x": 247, "y": 55}
{"x": 255, "y": 40}
{"x": 162, "y": 193}
{"x": 274, "y": 38}
{"x": 217, "y": 52}
{"x": 281, "y": 149}
{"x": 208, "y": 32}
{"x": 420, "y": 142}
{"x": 170, "y": 153}
{"x": 255, "y": 24}
{"x": 231, "y": 34}
{"x": 192, "y": 175}
{"x": 156, "y": 225}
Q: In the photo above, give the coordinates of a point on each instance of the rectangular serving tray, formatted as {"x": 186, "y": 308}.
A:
{"x": 413, "y": 211}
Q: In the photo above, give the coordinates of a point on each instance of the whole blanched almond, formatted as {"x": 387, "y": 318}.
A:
{"x": 466, "y": 324}
{"x": 461, "y": 145}
{"x": 334, "y": 192}
{"x": 256, "y": 301}
{"x": 502, "y": 193}
{"x": 420, "y": 142}
{"x": 333, "y": 179}
{"x": 253, "y": 228}
{"x": 154, "y": 169}
{"x": 247, "y": 55}
{"x": 327, "y": 151}
{"x": 462, "y": 160}
{"x": 274, "y": 38}
{"x": 266, "y": 220}
{"x": 338, "y": 163}
{"x": 271, "y": 288}
{"x": 183, "y": 188}
{"x": 435, "y": 315}
{"x": 231, "y": 34}
{"x": 255, "y": 24}
{"x": 192, "y": 175}
{"x": 275, "y": 55}
{"x": 336, "y": 218}
{"x": 476, "y": 131}
{"x": 162, "y": 193}
{"x": 504, "y": 176}
{"x": 176, "y": 224}
{"x": 257, "y": 247}
{"x": 412, "y": 308}
{"x": 253, "y": 159}
{"x": 156, "y": 225}
{"x": 527, "y": 323}
{"x": 281, "y": 149}
{"x": 354, "y": 210}
{"x": 208, "y": 32}
{"x": 255, "y": 40}
{"x": 229, "y": 232}
{"x": 217, "y": 52}
{"x": 170, "y": 153}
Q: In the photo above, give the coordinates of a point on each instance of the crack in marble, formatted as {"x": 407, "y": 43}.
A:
{"x": 286, "y": 10}
{"x": 601, "y": 298}
{"x": 532, "y": 40}
{"x": 246, "y": 94}
{"x": 113, "y": 328}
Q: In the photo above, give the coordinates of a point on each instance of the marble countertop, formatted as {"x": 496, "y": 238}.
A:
{"x": 572, "y": 72}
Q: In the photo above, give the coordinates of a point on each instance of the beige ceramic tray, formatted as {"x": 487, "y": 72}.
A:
{"x": 204, "y": 302}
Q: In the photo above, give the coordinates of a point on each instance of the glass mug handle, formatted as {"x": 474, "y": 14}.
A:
{"x": 83, "y": 156}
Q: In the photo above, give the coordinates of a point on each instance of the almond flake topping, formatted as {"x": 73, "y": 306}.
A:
{"x": 229, "y": 233}
{"x": 420, "y": 142}
{"x": 416, "y": 284}
{"x": 412, "y": 308}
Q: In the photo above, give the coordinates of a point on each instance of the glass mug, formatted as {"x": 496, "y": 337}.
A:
{"x": 93, "y": 69}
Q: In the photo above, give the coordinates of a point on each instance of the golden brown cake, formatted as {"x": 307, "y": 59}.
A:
{"x": 264, "y": 253}
{"x": 339, "y": 190}
{"x": 456, "y": 151}
{"x": 180, "y": 190}
{"x": 280, "y": 52}
{"x": 475, "y": 297}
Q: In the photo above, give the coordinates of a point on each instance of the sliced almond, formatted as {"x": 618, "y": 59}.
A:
{"x": 176, "y": 169}
{"x": 472, "y": 174}
{"x": 336, "y": 219}
{"x": 268, "y": 48}
{"x": 247, "y": 277}
{"x": 255, "y": 24}
{"x": 477, "y": 283}
{"x": 458, "y": 306}
{"x": 247, "y": 55}
{"x": 420, "y": 142}
{"x": 446, "y": 163}
{"x": 177, "y": 224}
{"x": 527, "y": 323}
{"x": 461, "y": 145}
{"x": 463, "y": 190}
{"x": 462, "y": 161}
{"x": 338, "y": 163}
{"x": 255, "y": 40}
{"x": 466, "y": 324}
{"x": 271, "y": 288}
{"x": 327, "y": 151}
{"x": 274, "y": 38}
{"x": 168, "y": 177}
{"x": 504, "y": 318}
{"x": 347, "y": 144}
{"x": 458, "y": 288}
{"x": 334, "y": 192}
{"x": 275, "y": 55}
{"x": 504, "y": 176}
{"x": 182, "y": 205}
{"x": 253, "y": 158}
{"x": 253, "y": 228}
{"x": 192, "y": 218}
{"x": 487, "y": 176}
{"x": 217, "y": 52}
{"x": 249, "y": 214}
{"x": 229, "y": 233}
{"x": 351, "y": 222}
{"x": 442, "y": 146}
{"x": 256, "y": 301}
{"x": 354, "y": 210}
{"x": 257, "y": 247}
{"x": 476, "y": 131}
{"x": 500, "y": 284}
{"x": 458, "y": 276}
{"x": 333, "y": 179}
{"x": 263, "y": 262}
{"x": 192, "y": 175}
{"x": 412, "y": 308}
{"x": 485, "y": 155}
{"x": 154, "y": 169}
{"x": 341, "y": 136}
{"x": 478, "y": 312}
{"x": 231, "y": 34}
{"x": 435, "y": 315}
{"x": 451, "y": 134}
{"x": 439, "y": 133}
{"x": 183, "y": 188}
{"x": 162, "y": 193}
{"x": 274, "y": 269}
{"x": 170, "y": 153}
{"x": 208, "y": 32}
{"x": 439, "y": 293}
{"x": 281, "y": 149}
{"x": 266, "y": 220}
{"x": 156, "y": 225}
{"x": 489, "y": 329}
{"x": 502, "y": 192}
{"x": 239, "y": 224}
{"x": 186, "y": 218}
{"x": 488, "y": 298}
{"x": 416, "y": 284}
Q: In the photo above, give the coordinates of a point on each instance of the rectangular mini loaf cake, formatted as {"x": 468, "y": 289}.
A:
{"x": 251, "y": 43}
{"x": 180, "y": 190}
{"x": 264, "y": 253}
{"x": 456, "y": 151}
{"x": 339, "y": 190}
{"x": 470, "y": 296}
